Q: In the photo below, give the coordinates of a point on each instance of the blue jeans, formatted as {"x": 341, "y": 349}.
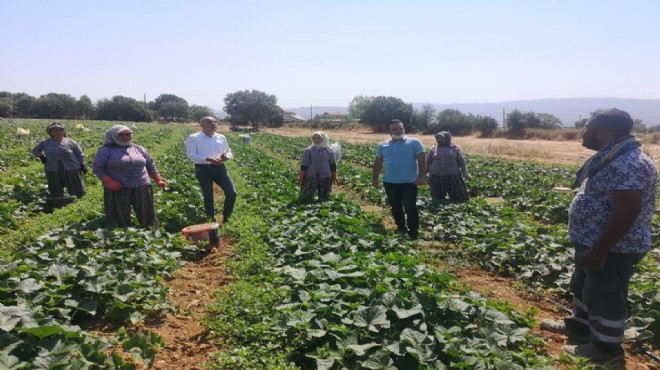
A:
{"x": 403, "y": 203}
{"x": 600, "y": 298}
{"x": 207, "y": 175}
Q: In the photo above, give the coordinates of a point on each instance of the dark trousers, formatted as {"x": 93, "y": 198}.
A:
{"x": 403, "y": 203}
{"x": 600, "y": 298}
{"x": 310, "y": 185}
{"x": 117, "y": 206}
{"x": 441, "y": 185}
{"x": 71, "y": 180}
{"x": 207, "y": 175}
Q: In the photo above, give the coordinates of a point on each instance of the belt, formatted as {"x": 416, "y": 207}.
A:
{"x": 208, "y": 165}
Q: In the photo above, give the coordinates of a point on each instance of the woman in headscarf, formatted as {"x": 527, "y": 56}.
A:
{"x": 318, "y": 169}
{"x": 63, "y": 161}
{"x": 446, "y": 168}
{"x": 124, "y": 169}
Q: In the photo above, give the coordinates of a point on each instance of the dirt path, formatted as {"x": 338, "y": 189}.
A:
{"x": 192, "y": 288}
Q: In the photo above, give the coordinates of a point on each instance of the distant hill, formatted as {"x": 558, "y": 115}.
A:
{"x": 309, "y": 112}
{"x": 568, "y": 110}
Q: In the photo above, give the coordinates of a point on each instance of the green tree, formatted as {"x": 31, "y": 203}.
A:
{"x": 24, "y": 106}
{"x": 383, "y": 109}
{"x": 359, "y": 105}
{"x": 486, "y": 125}
{"x": 197, "y": 112}
{"x": 55, "y": 106}
{"x": 639, "y": 126}
{"x": 121, "y": 108}
{"x": 84, "y": 108}
{"x": 454, "y": 121}
{"x": 518, "y": 122}
{"x": 176, "y": 111}
{"x": 170, "y": 107}
{"x": 581, "y": 123}
{"x": 547, "y": 121}
{"x": 6, "y": 107}
{"x": 424, "y": 118}
{"x": 252, "y": 107}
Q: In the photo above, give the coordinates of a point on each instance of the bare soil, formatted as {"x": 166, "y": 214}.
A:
{"x": 188, "y": 344}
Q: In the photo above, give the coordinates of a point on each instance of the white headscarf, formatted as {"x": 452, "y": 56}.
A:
{"x": 111, "y": 135}
{"x": 326, "y": 140}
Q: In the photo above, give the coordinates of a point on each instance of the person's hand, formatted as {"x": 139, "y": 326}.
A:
{"x": 83, "y": 168}
{"x": 335, "y": 179}
{"x": 420, "y": 180}
{"x": 215, "y": 161}
{"x": 300, "y": 178}
{"x": 110, "y": 183}
{"x": 594, "y": 259}
{"x": 43, "y": 159}
{"x": 468, "y": 177}
{"x": 159, "y": 180}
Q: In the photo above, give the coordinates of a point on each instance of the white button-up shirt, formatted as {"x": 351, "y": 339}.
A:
{"x": 199, "y": 147}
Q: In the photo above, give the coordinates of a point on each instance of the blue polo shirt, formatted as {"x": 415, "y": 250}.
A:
{"x": 400, "y": 159}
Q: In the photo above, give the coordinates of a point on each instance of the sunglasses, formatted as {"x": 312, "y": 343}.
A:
{"x": 125, "y": 134}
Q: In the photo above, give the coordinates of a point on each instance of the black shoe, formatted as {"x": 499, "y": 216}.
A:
{"x": 413, "y": 235}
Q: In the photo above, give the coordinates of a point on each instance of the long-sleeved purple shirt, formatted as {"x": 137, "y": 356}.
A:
{"x": 318, "y": 161}
{"x": 65, "y": 155}
{"x": 130, "y": 165}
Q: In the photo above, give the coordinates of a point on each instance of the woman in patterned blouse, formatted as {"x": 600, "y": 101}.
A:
{"x": 318, "y": 169}
{"x": 446, "y": 168}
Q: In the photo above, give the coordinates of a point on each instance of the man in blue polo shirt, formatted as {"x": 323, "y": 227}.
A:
{"x": 405, "y": 168}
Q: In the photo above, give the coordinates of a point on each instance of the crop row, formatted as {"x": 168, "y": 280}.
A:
{"x": 351, "y": 295}
{"x": 22, "y": 181}
{"x": 508, "y": 239}
{"x": 85, "y": 272}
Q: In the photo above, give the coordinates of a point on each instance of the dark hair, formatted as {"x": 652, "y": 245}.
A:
{"x": 395, "y": 121}
{"x": 614, "y": 120}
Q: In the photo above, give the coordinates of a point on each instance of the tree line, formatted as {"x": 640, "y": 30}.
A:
{"x": 379, "y": 110}
{"x": 118, "y": 108}
{"x": 256, "y": 108}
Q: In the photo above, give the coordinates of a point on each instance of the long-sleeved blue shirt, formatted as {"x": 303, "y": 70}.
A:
{"x": 65, "y": 155}
{"x": 129, "y": 165}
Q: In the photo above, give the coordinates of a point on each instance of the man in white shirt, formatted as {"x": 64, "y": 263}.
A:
{"x": 209, "y": 151}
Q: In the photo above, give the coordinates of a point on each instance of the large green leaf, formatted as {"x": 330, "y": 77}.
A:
{"x": 372, "y": 317}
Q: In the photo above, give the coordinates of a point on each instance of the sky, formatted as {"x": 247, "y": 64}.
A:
{"x": 326, "y": 52}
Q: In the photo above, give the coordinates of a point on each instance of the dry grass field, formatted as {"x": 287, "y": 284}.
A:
{"x": 563, "y": 152}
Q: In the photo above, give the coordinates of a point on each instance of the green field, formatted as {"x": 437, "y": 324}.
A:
{"x": 314, "y": 285}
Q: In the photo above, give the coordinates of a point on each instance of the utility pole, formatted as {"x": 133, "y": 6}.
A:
{"x": 503, "y": 124}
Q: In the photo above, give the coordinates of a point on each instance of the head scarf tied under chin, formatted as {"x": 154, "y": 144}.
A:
{"x": 326, "y": 140}
{"x": 111, "y": 135}
{"x": 445, "y": 138}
